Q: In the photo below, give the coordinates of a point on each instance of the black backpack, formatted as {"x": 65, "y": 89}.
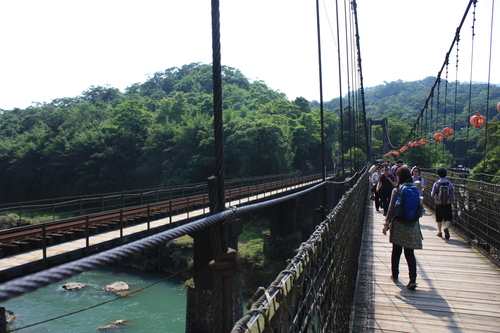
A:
{"x": 407, "y": 207}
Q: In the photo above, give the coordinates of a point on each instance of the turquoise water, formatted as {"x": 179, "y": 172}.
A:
{"x": 159, "y": 308}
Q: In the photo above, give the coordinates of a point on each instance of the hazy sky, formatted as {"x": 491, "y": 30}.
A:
{"x": 59, "y": 48}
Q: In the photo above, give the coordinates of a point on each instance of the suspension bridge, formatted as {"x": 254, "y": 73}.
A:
{"x": 338, "y": 281}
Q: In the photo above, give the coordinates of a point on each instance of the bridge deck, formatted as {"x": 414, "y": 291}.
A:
{"x": 458, "y": 289}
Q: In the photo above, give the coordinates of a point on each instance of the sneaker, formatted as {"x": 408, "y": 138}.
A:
{"x": 446, "y": 233}
{"x": 439, "y": 234}
{"x": 411, "y": 285}
{"x": 394, "y": 279}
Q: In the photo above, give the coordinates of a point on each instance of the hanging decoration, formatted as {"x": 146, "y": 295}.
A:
{"x": 438, "y": 136}
{"x": 477, "y": 120}
{"x": 498, "y": 106}
{"x": 416, "y": 143}
{"x": 423, "y": 141}
{"x": 448, "y": 131}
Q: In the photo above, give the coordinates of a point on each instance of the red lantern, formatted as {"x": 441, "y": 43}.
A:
{"x": 498, "y": 106}
{"x": 395, "y": 152}
{"x": 477, "y": 120}
{"x": 438, "y": 136}
{"x": 448, "y": 131}
{"x": 416, "y": 144}
{"x": 423, "y": 141}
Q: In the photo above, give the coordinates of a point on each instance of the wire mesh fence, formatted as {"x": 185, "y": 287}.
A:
{"x": 315, "y": 292}
{"x": 476, "y": 212}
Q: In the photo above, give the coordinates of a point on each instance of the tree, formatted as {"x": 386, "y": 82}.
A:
{"x": 257, "y": 148}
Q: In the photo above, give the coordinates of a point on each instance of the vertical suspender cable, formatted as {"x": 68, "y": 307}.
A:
{"x": 352, "y": 122}
{"x": 446, "y": 102}
{"x": 437, "y": 117}
{"x": 441, "y": 70}
{"x": 323, "y": 164}
{"x": 485, "y": 163}
{"x": 340, "y": 89}
{"x": 467, "y": 162}
{"x": 217, "y": 87}
{"x": 222, "y": 318}
{"x": 361, "y": 88}
{"x": 457, "y": 39}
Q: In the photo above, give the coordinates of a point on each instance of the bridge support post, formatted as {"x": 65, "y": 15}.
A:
{"x": 385, "y": 136}
{"x": 3, "y": 321}
{"x": 284, "y": 235}
{"x": 214, "y": 303}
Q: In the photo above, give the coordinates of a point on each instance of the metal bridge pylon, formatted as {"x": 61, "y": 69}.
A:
{"x": 385, "y": 136}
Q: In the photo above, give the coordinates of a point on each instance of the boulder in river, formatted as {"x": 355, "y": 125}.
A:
{"x": 72, "y": 286}
{"x": 113, "y": 325}
{"x": 10, "y": 317}
{"x": 117, "y": 286}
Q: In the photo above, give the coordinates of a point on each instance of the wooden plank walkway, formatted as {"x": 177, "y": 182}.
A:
{"x": 458, "y": 288}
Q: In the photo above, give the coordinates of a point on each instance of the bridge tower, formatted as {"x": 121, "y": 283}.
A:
{"x": 385, "y": 136}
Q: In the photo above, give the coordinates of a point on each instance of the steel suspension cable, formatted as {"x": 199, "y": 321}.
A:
{"x": 350, "y": 106}
{"x": 470, "y": 85}
{"x": 445, "y": 102}
{"x": 439, "y": 73}
{"x": 485, "y": 160}
{"x": 323, "y": 161}
{"x": 457, "y": 37}
{"x": 340, "y": 89}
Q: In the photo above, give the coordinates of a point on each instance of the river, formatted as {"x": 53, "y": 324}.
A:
{"x": 159, "y": 308}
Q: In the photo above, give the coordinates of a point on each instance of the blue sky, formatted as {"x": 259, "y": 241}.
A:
{"x": 59, "y": 48}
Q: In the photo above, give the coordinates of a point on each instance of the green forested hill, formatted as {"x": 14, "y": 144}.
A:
{"x": 452, "y": 104}
{"x": 160, "y": 133}
{"x": 156, "y": 133}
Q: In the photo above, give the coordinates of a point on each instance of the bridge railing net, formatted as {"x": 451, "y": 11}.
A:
{"x": 315, "y": 292}
{"x": 476, "y": 212}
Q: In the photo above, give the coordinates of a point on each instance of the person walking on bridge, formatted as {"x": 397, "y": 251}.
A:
{"x": 403, "y": 235}
{"x": 375, "y": 195}
{"x": 442, "y": 193}
{"x": 386, "y": 183}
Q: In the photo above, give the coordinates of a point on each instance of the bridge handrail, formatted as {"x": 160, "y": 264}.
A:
{"x": 476, "y": 212}
{"x": 322, "y": 273}
{"x": 96, "y": 203}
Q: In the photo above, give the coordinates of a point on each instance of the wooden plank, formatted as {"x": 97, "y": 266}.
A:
{"x": 458, "y": 289}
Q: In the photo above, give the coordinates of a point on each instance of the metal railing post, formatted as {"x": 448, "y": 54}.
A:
{"x": 44, "y": 246}
{"x": 149, "y": 218}
{"x": 121, "y": 226}
{"x": 170, "y": 211}
{"x": 87, "y": 236}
